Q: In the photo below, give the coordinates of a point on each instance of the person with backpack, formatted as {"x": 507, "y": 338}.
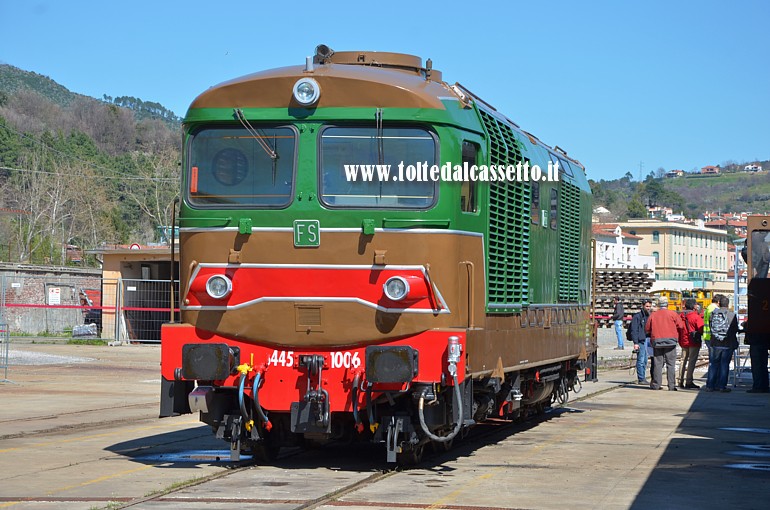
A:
{"x": 690, "y": 342}
{"x": 724, "y": 340}
{"x": 707, "y": 325}
{"x": 707, "y": 315}
{"x": 664, "y": 326}
{"x": 639, "y": 337}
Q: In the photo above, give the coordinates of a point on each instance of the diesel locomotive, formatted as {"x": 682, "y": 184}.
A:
{"x": 361, "y": 257}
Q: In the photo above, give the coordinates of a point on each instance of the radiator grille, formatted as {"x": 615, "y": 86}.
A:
{"x": 308, "y": 318}
{"x": 569, "y": 242}
{"x": 508, "y": 241}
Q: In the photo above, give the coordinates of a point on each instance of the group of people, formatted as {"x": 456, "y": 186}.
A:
{"x": 657, "y": 333}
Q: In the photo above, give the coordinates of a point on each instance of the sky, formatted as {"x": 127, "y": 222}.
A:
{"x": 622, "y": 86}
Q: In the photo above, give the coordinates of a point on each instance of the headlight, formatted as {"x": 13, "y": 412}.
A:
{"x": 306, "y": 91}
{"x": 219, "y": 286}
{"x": 396, "y": 288}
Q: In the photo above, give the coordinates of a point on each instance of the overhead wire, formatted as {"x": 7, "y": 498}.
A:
{"x": 79, "y": 160}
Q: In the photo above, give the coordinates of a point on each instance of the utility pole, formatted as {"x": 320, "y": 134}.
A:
{"x": 641, "y": 164}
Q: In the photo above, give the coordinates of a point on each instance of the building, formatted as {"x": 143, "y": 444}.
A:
{"x": 684, "y": 253}
{"x": 657, "y": 211}
{"x": 615, "y": 248}
{"x": 136, "y": 290}
{"x": 739, "y": 227}
{"x": 675, "y": 173}
{"x": 710, "y": 170}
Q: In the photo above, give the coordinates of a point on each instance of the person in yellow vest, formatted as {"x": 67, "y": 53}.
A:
{"x": 707, "y": 315}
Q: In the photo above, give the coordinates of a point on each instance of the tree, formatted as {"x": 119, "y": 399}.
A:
{"x": 39, "y": 192}
{"x": 155, "y": 186}
{"x": 636, "y": 208}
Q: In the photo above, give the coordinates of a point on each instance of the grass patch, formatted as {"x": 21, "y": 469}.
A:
{"x": 86, "y": 341}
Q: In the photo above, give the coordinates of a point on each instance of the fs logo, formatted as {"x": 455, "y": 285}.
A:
{"x": 307, "y": 233}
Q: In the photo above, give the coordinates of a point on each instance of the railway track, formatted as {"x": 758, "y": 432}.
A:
{"x": 354, "y": 460}
{"x": 499, "y": 464}
{"x": 103, "y": 447}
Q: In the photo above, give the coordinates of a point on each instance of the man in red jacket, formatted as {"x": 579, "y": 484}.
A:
{"x": 663, "y": 327}
{"x": 690, "y": 341}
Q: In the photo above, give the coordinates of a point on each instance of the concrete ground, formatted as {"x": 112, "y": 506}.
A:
{"x": 81, "y": 431}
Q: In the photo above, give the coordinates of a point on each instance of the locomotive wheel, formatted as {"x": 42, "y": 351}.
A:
{"x": 267, "y": 449}
{"x": 442, "y": 446}
{"x": 311, "y": 444}
{"x": 265, "y": 452}
{"x": 411, "y": 457}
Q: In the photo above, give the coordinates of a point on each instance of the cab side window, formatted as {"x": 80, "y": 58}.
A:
{"x": 468, "y": 189}
{"x": 554, "y": 208}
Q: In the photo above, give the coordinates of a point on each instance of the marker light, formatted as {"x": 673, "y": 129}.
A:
{"x": 219, "y": 286}
{"x": 396, "y": 288}
{"x": 306, "y": 91}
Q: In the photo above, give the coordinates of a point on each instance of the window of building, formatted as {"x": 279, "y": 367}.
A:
{"x": 656, "y": 255}
{"x": 655, "y": 237}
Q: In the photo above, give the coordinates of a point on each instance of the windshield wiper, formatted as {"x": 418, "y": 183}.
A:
{"x": 258, "y": 136}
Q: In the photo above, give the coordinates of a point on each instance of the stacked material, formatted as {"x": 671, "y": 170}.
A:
{"x": 630, "y": 285}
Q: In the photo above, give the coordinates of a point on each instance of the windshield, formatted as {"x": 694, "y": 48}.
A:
{"x": 240, "y": 168}
{"x": 354, "y": 147}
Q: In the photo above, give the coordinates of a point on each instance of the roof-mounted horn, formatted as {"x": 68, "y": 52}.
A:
{"x": 323, "y": 54}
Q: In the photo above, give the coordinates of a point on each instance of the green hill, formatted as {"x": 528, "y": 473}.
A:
{"x": 693, "y": 194}
{"x": 735, "y": 192}
{"x": 14, "y": 80}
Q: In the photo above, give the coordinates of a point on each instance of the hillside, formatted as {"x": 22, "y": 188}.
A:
{"x": 692, "y": 194}
{"x": 14, "y": 81}
{"x": 78, "y": 171}
{"x": 726, "y": 192}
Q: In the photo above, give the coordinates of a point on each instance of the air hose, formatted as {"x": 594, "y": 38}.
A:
{"x": 255, "y": 396}
{"x": 249, "y": 423}
{"x": 460, "y": 418}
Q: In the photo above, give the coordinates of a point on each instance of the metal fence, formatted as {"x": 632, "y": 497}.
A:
{"x": 85, "y": 307}
{"x": 5, "y": 341}
{"x": 142, "y": 306}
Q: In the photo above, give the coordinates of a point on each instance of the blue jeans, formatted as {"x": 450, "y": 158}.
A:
{"x": 641, "y": 362}
{"x": 719, "y": 367}
{"x": 619, "y": 332}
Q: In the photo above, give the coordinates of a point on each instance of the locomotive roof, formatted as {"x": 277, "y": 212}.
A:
{"x": 364, "y": 79}
{"x": 346, "y": 79}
